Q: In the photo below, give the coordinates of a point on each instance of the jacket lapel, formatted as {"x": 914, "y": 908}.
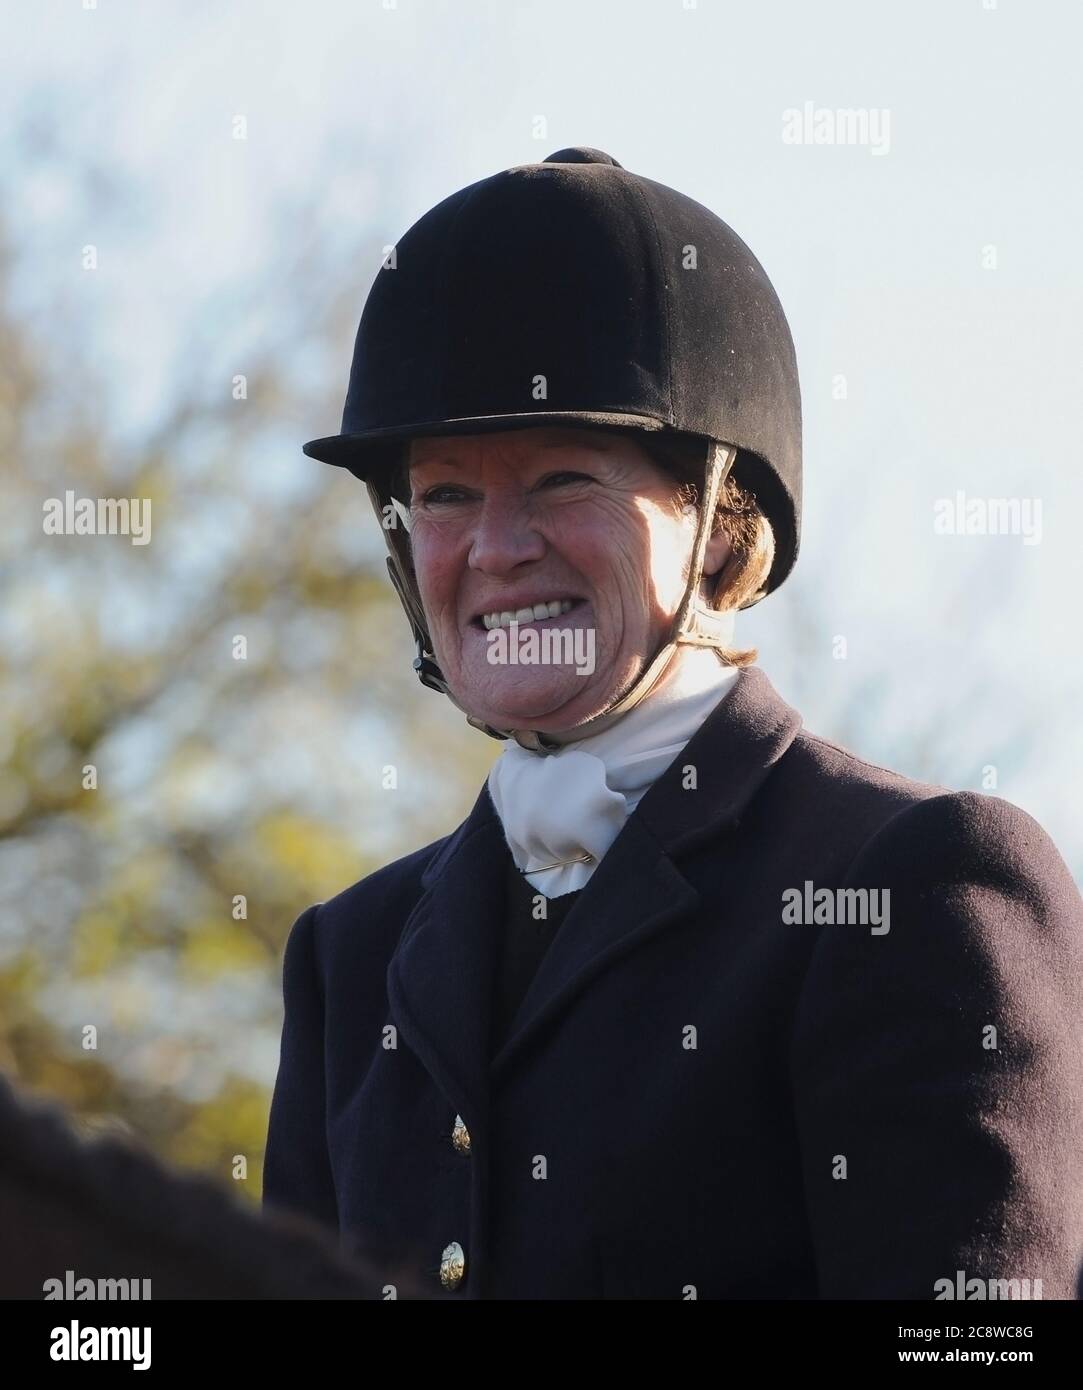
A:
{"x": 638, "y": 888}
{"x": 441, "y": 978}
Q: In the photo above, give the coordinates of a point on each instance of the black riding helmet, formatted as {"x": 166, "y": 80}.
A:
{"x": 575, "y": 292}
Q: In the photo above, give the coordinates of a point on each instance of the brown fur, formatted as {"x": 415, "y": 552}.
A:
{"x": 109, "y": 1209}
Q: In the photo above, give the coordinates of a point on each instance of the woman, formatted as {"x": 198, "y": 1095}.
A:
{"x": 694, "y": 1003}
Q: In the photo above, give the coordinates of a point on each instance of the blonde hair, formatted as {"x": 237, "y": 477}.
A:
{"x": 737, "y": 516}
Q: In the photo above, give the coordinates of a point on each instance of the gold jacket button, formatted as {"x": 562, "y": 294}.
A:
{"x": 460, "y": 1136}
{"x": 452, "y": 1265}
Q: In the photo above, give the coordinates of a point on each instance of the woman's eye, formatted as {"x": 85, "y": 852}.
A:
{"x": 574, "y": 477}
{"x": 438, "y": 495}
{"x": 432, "y": 496}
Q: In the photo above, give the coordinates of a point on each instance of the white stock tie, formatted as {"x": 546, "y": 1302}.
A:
{"x": 562, "y": 806}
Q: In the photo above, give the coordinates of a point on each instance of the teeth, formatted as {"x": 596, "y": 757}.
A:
{"x": 540, "y": 611}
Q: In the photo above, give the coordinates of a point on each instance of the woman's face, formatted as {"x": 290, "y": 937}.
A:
{"x": 501, "y": 522}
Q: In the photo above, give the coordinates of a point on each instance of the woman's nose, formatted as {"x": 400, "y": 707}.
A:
{"x": 504, "y": 535}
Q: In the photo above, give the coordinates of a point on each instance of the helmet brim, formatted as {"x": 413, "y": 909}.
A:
{"x": 363, "y": 454}
{"x": 368, "y": 455}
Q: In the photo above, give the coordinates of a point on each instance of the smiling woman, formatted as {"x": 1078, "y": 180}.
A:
{"x": 582, "y": 1046}
{"x": 737, "y": 514}
{"x": 501, "y": 522}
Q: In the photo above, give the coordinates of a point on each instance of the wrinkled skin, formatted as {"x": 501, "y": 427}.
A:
{"x": 547, "y": 513}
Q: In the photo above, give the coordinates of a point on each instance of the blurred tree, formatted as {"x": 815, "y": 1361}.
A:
{"x": 277, "y": 775}
{"x": 144, "y": 918}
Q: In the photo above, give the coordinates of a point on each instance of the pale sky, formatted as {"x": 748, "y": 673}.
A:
{"x": 941, "y": 278}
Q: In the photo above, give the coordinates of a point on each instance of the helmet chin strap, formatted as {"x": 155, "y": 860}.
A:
{"x": 694, "y": 624}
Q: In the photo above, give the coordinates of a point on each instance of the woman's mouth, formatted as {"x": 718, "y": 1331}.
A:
{"x": 539, "y": 613}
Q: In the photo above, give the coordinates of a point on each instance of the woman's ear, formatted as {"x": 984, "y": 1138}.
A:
{"x": 717, "y": 553}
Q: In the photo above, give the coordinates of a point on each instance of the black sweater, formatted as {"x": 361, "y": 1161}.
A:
{"x": 526, "y": 941}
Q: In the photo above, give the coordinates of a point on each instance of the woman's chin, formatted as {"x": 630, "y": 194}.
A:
{"x": 548, "y": 702}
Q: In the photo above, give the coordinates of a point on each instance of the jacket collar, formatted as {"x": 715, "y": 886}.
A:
{"x": 441, "y": 976}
